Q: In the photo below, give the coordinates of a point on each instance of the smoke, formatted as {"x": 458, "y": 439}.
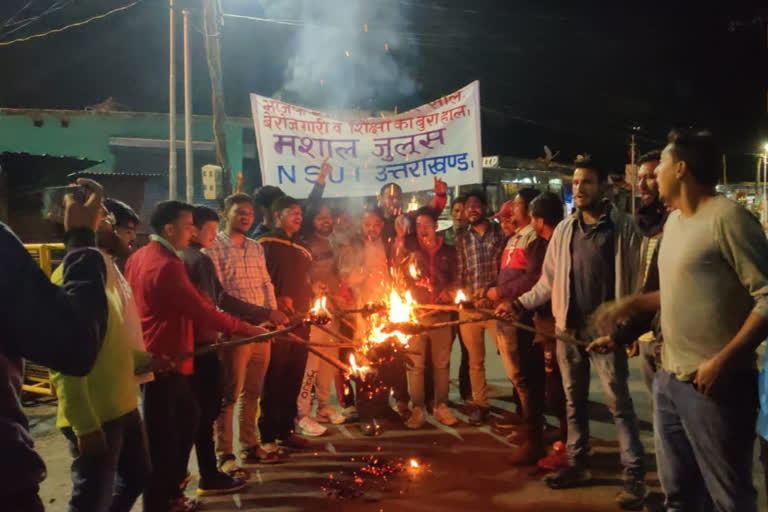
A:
{"x": 347, "y": 54}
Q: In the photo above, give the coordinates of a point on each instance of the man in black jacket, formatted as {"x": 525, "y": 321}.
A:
{"x": 59, "y": 327}
{"x": 288, "y": 264}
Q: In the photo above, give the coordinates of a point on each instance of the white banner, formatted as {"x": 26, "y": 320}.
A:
{"x": 440, "y": 139}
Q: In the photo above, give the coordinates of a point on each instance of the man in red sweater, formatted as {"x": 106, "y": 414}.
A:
{"x": 167, "y": 303}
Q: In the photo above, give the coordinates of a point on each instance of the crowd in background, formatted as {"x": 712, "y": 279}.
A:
{"x": 682, "y": 283}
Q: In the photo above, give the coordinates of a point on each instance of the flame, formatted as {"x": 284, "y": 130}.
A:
{"x": 386, "y": 47}
{"x": 412, "y": 271}
{"x": 319, "y": 307}
{"x": 346, "y": 52}
{"x": 365, "y": 27}
{"x": 460, "y": 297}
{"x": 360, "y": 371}
{"x": 414, "y": 464}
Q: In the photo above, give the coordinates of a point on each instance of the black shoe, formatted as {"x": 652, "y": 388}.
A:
{"x": 479, "y": 416}
{"x": 527, "y": 454}
{"x": 567, "y": 478}
{"x": 632, "y": 496}
{"x": 220, "y": 484}
{"x": 509, "y": 421}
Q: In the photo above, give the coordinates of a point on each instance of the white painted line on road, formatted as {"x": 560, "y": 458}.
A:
{"x": 344, "y": 430}
{"x": 485, "y": 429}
{"x": 445, "y": 428}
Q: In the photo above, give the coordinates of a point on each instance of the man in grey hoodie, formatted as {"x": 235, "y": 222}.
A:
{"x": 592, "y": 258}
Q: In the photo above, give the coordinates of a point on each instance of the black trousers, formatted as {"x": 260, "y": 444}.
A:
{"x": 465, "y": 386}
{"x": 281, "y": 389}
{"x": 171, "y": 416}
{"x": 206, "y": 385}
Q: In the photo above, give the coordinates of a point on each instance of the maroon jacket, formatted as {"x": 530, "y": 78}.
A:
{"x": 170, "y": 306}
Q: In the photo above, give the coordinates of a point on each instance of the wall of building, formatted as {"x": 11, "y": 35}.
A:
{"x": 87, "y": 133}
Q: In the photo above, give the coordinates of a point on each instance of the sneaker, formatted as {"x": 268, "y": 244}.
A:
{"x": 557, "y": 458}
{"x": 330, "y": 415}
{"x": 417, "y": 419}
{"x": 508, "y": 421}
{"x": 403, "y": 410}
{"x": 566, "y": 478}
{"x": 351, "y": 414}
{"x": 444, "y": 415}
{"x": 221, "y": 484}
{"x": 310, "y": 428}
{"x": 183, "y": 504}
{"x": 228, "y": 465}
{"x": 258, "y": 455}
{"x": 184, "y": 483}
{"x": 296, "y": 442}
{"x": 479, "y": 416}
{"x": 633, "y": 495}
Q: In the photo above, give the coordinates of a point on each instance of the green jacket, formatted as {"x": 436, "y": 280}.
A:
{"x": 109, "y": 391}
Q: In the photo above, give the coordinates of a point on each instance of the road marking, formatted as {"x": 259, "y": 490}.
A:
{"x": 445, "y": 428}
{"x": 344, "y": 430}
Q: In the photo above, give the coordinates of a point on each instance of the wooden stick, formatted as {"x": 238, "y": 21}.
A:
{"x": 328, "y": 359}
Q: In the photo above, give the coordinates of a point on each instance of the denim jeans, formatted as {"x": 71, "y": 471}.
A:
{"x": 650, "y": 361}
{"x": 523, "y": 362}
{"x": 171, "y": 414}
{"x": 114, "y": 480}
{"x": 704, "y": 445}
{"x": 613, "y": 371}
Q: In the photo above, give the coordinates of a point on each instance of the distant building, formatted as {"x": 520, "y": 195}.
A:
{"x": 126, "y": 151}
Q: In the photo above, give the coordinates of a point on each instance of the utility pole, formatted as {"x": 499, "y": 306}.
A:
{"x": 632, "y": 158}
{"x": 172, "y": 180}
{"x": 212, "y": 31}
{"x": 189, "y": 164}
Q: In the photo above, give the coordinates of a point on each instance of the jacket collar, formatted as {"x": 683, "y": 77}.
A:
{"x": 165, "y": 243}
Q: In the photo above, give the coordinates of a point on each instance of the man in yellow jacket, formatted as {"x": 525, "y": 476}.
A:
{"x": 98, "y": 413}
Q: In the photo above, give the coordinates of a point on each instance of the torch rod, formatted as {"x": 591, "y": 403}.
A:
{"x": 328, "y": 359}
{"x": 245, "y": 341}
{"x": 488, "y": 314}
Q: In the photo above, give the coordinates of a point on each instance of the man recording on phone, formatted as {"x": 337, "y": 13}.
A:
{"x": 59, "y": 327}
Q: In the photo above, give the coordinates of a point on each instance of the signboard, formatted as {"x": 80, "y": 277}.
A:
{"x": 440, "y": 139}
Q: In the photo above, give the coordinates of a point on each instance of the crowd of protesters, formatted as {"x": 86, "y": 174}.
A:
{"x": 115, "y": 317}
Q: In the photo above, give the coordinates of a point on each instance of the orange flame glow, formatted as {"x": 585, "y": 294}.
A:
{"x": 412, "y": 271}
{"x": 460, "y": 297}
{"x": 414, "y": 464}
{"x": 319, "y": 307}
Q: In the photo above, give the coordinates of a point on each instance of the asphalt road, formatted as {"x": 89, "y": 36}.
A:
{"x": 461, "y": 468}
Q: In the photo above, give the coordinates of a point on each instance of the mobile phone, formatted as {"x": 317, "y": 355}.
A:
{"x": 53, "y": 201}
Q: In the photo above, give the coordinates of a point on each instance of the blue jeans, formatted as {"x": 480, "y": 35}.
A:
{"x": 704, "y": 445}
{"x": 114, "y": 480}
{"x": 613, "y": 371}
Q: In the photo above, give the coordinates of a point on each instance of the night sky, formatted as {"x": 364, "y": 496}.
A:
{"x": 574, "y": 78}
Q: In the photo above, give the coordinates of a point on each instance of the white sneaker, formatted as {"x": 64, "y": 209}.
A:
{"x": 270, "y": 447}
{"x": 330, "y": 414}
{"x": 444, "y": 415}
{"x": 310, "y": 428}
{"x": 417, "y": 419}
{"x": 351, "y": 413}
